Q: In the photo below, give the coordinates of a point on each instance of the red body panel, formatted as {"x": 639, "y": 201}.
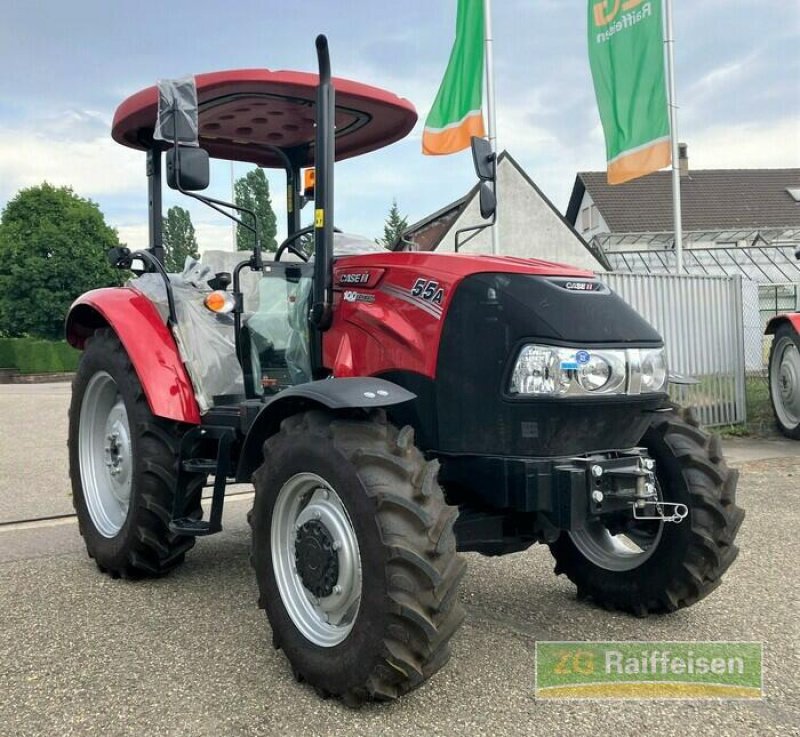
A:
{"x": 793, "y": 318}
{"x": 380, "y": 325}
{"x": 149, "y": 345}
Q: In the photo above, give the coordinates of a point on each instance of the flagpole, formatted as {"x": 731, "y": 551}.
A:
{"x": 669, "y": 42}
{"x": 490, "y": 101}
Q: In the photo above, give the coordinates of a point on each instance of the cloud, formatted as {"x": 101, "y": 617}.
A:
{"x": 774, "y": 144}
{"x": 87, "y": 159}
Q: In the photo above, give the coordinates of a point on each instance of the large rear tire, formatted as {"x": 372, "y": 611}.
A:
{"x": 123, "y": 467}
{"x": 784, "y": 380}
{"x": 355, "y": 556}
{"x": 687, "y": 560}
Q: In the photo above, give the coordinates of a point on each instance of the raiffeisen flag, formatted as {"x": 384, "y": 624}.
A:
{"x": 456, "y": 113}
{"x": 626, "y": 54}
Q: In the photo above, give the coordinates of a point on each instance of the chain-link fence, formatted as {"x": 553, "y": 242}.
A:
{"x": 760, "y": 303}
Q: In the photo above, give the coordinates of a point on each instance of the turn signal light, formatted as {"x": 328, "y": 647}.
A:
{"x": 219, "y": 301}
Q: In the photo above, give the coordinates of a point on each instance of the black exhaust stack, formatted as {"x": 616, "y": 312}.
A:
{"x": 322, "y": 292}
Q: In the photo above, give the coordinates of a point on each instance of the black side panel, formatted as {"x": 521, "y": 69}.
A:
{"x": 421, "y": 413}
{"x": 490, "y": 316}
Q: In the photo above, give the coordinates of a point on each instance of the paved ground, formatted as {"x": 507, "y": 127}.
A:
{"x": 190, "y": 655}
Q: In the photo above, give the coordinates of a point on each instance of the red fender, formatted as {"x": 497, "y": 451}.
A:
{"x": 793, "y": 318}
{"x": 148, "y": 342}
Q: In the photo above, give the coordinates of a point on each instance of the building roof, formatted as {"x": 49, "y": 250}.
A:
{"x": 711, "y": 199}
{"x": 764, "y": 264}
{"x": 427, "y": 233}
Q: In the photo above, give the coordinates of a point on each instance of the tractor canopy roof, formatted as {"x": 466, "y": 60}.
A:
{"x": 241, "y": 110}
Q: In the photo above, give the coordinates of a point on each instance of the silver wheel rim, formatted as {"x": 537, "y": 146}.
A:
{"x": 104, "y": 449}
{"x": 618, "y": 552}
{"x": 785, "y": 379}
{"x": 325, "y": 621}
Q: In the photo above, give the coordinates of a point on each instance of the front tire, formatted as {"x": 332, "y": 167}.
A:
{"x": 784, "y": 380}
{"x": 355, "y": 556}
{"x": 123, "y": 467}
{"x": 687, "y": 560}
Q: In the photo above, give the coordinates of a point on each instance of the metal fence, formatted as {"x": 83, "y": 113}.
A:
{"x": 761, "y": 302}
{"x": 701, "y": 320}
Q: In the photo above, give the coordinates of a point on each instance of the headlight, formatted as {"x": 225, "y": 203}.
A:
{"x": 654, "y": 370}
{"x": 549, "y": 370}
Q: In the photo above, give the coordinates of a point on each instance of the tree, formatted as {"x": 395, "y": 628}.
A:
{"x": 394, "y": 227}
{"x": 252, "y": 191}
{"x": 53, "y": 247}
{"x": 178, "y": 238}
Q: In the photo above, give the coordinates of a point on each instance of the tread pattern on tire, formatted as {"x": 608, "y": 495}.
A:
{"x": 422, "y": 567}
{"x": 714, "y": 520}
{"x": 152, "y": 548}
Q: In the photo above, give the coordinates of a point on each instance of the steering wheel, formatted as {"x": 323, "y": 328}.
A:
{"x": 289, "y": 243}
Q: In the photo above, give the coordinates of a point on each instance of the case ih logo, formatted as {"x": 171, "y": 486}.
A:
{"x": 354, "y": 278}
{"x": 583, "y": 286}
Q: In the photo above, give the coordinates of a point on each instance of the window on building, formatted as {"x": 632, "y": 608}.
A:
{"x": 585, "y": 219}
{"x": 594, "y": 217}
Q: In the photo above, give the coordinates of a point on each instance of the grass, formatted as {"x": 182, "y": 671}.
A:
{"x": 760, "y": 419}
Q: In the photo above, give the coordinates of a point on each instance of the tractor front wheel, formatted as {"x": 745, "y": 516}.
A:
{"x": 123, "y": 464}
{"x": 355, "y": 556}
{"x": 653, "y": 566}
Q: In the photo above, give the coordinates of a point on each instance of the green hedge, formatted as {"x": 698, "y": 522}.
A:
{"x": 34, "y": 356}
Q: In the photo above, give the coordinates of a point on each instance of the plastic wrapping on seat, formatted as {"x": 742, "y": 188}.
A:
{"x": 298, "y": 354}
{"x": 205, "y": 339}
{"x": 226, "y": 261}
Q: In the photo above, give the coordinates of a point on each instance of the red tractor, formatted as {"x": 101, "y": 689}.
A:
{"x": 784, "y": 372}
{"x": 392, "y": 409}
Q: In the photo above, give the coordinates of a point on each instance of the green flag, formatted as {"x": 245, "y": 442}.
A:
{"x": 456, "y": 113}
{"x": 626, "y": 55}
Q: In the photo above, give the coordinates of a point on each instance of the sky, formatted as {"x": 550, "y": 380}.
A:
{"x": 66, "y": 65}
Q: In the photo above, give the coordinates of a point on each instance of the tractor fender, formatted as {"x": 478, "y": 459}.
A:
{"x": 792, "y": 318}
{"x": 332, "y": 394}
{"x": 148, "y": 343}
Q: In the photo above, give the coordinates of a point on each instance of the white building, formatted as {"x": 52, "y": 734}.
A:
{"x": 529, "y": 225}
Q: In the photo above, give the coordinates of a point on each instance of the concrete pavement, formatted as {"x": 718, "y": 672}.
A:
{"x": 190, "y": 654}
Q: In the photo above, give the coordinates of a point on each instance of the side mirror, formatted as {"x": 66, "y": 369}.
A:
{"x": 187, "y": 168}
{"x": 488, "y": 201}
{"x": 484, "y": 159}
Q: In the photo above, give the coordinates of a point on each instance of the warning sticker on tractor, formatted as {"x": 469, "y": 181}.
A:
{"x": 319, "y": 218}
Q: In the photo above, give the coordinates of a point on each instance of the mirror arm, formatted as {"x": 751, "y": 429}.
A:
{"x": 475, "y": 230}
{"x": 256, "y": 262}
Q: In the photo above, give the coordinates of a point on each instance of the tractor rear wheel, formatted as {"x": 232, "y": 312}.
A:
{"x": 123, "y": 465}
{"x": 355, "y": 556}
{"x": 654, "y": 566}
{"x": 784, "y": 380}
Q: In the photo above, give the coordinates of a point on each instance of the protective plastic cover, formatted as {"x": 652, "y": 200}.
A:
{"x": 205, "y": 339}
{"x": 177, "y": 106}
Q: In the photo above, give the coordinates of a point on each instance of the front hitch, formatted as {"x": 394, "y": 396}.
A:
{"x": 627, "y": 483}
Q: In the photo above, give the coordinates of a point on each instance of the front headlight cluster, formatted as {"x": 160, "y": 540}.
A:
{"x": 549, "y": 370}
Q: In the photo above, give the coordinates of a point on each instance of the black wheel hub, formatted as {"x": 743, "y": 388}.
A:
{"x": 316, "y": 560}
